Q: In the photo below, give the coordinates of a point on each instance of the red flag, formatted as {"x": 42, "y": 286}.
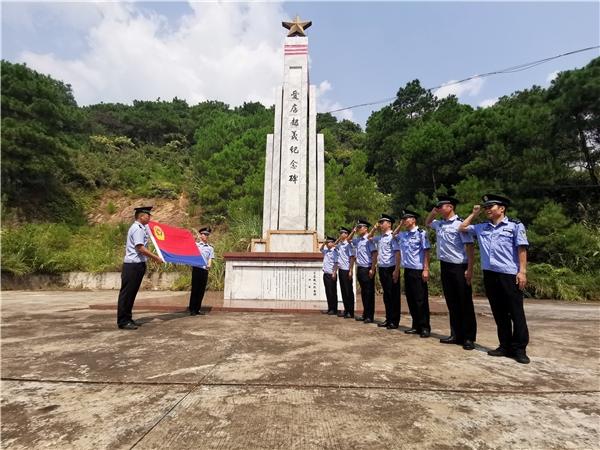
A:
{"x": 175, "y": 245}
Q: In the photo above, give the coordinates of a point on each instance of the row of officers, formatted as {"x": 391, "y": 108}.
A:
{"x": 503, "y": 250}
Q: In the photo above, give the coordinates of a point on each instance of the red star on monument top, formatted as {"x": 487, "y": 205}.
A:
{"x": 296, "y": 27}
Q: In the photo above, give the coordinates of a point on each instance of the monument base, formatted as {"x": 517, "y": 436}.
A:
{"x": 273, "y": 280}
{"x": 281, "y": 241}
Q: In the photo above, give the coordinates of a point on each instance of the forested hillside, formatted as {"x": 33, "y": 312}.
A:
{"x": 541, "y": 147}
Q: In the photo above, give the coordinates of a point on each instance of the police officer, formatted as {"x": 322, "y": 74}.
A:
{"x": 346, "y": 257}
{"x": 414, "y": 259}
{"x": 200, "y": 274}
{"x": 134, "y": 267}
{"x": 503, "y": 250}
{"x": 366, "y": 259}
{"x": 388, "y": 261}
{"x": 456, "y": 272}
{"x": 330, "y": 267}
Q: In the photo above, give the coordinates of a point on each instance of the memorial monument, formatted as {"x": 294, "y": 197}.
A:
{"x": 284, "y": 268}
{"x": 294, "y": 195}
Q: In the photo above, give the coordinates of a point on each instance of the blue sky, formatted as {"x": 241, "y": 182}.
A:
{"x": 360, "y": 51}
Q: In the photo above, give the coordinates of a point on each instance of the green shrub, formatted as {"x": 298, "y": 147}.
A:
{"x": 163, "y": 189}
{"x": 557, "y": 241}
{"x": 183, "y": 283}
{"x": 55, "y": 248}
{"x": 547, "y": 281}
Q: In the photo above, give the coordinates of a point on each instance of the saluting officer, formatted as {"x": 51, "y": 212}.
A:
{"x": 330, "y": 267}
{"x": 503, "y": 250}
{"x": 346, "y": 257}
{"x": 414, "y": 259}
{"x": 200, "y": 274}
{"x": 456, "y": 272}
{"x": 388, "y": 260}
{"x": 366, "y": 259}
{"x": 134, "y": 267}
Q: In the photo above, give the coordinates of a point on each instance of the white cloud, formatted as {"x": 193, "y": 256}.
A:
{"x": 29, "y": 16}
{"x": 468, "y": 88}
{"x": 325, "y": 104}
{"x": 488, "y": 102}
{"x": 223, "y": 51}
{"x": 323, "y": 87}
{"x": 551, "y": 76}
{"x": 229, "y": 52}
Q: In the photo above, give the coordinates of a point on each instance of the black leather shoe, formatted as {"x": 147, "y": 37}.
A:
{"x": 500, "y": 351}
{"x": 360, "y": 318}
{"x": 332, "y": 313}
{"x": 368, "y": 320}
{"x": 469, "y": 345}
{"x": 137, "y": 324}
{"x": 201, "y": 313}
{"x": 425, "y": 333}
{"x": 325, "y": 312}
{"x": 348, "y": 315}
{"x": 193, "y": 313}
{"x": 383, "y": 324}
{"x": 392, "y": 326}
{"x": 411, "y": 331}
{"x": 128, "y": 326}
{"x": 340, "y": 314}
{"x": 521, "y": 358}
{"x": 449, "y": 340}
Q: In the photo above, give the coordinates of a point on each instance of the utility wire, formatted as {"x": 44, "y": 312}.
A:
{"x": 513, "y": 69}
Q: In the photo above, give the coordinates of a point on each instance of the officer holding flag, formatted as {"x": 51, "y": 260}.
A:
{"x": 200, "y": 273}
{"x": 134, "y": 267}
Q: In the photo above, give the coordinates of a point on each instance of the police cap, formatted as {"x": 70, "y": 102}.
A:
{"x": 363, "y": 223}
{"x": 344, "y": 230}
{"x": 143, "y": 209}
{"x": 387, "y": 217}
{"x": 205, "y": 230}
{"x": 407, "y": 214}
{"x": 494, "y": 199}
{"x": 446, "y": 200}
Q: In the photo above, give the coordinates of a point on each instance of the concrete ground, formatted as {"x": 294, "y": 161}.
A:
{"x": 240, "y": 380}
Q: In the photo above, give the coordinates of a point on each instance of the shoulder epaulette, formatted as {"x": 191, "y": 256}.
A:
{"x": 460, "y": 219}
{"x": 420, "y": 230}
{"x": 517, "y": 221}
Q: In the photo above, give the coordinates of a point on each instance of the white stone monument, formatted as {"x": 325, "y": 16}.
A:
{"x": 284, "y": 268}
{"x": 294, "y": 195}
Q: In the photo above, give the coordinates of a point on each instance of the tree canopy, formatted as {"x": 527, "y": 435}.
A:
{"x": 536, "y": 146}
{"x": 539, "y": 146}
{"x": 40, "y": 125}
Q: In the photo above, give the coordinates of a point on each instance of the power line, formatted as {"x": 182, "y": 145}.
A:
{"x": 539, "y": 187}
{"x": 513, "y": 69}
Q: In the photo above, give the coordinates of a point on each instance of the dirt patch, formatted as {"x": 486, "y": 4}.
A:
{"x": 113, "y": 207}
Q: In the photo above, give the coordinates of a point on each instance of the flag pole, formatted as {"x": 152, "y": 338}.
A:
{"x": 156, "y": 247}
